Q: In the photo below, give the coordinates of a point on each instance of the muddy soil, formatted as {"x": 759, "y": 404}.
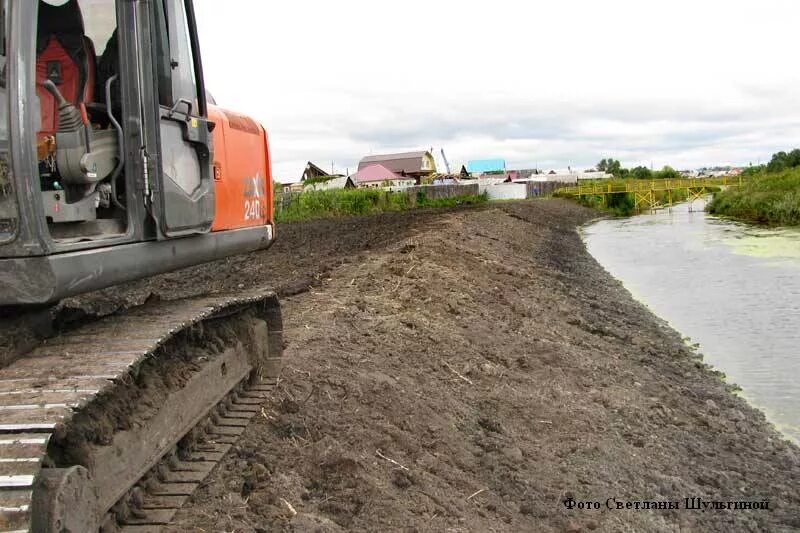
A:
{"x": 302, "y": 255}
{"x": 471, "y": 371}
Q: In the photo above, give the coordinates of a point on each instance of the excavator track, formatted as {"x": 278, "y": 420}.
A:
{"x": 111, "y": 426}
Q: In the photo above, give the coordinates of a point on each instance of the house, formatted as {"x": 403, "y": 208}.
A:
{"x": 377, "y": 175}
{"x": 477, "y": 167}
{"x": 337, "y": 182}
{"x": 416, "y": 165}
{"x": 294, "y": 186}
{"x": 527, "y": 172}
{"x": 312, "y": 171}
{"x": 491, "y": 179}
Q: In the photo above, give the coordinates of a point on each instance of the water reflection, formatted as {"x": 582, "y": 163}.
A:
{"x": 731, "y": 287}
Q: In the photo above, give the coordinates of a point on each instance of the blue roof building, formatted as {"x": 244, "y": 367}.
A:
{"x": 479, "y": 166}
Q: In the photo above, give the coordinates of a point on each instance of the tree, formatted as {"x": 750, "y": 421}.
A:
{"x": 642, "y": 173}
{"x": 782, "y": 160}
{"x": 668, "y": 173}
{"x": 778, "y": 162}
{"x": 611, "y": 166}
{"x": 793, "y": 158}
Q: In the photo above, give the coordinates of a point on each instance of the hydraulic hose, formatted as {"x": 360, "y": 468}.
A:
{"x": 121, "y": 142}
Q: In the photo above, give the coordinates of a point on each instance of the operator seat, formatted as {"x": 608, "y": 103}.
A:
{"x": 64, "y": 55}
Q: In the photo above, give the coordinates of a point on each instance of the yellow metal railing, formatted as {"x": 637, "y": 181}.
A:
{"x": 645, "y": 186}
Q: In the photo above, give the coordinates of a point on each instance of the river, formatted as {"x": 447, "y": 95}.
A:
{"x": 732, "y": 288}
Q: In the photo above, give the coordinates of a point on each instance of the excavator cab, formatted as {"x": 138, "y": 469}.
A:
{"x": 108, "y": 168}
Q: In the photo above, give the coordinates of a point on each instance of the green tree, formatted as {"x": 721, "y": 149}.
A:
{"x": 668, "y": 173}
{"x": 782, "y": 160}
{"x": 641, "y": 173}
{"x": 611, "y": 166}
{"x": 778, "y": 162}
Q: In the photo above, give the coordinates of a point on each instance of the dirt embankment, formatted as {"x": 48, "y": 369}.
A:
{"x": 469, "y": 371}
{"x": 302, "y": 255}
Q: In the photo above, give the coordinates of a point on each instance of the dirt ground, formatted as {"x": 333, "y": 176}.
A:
{"x": 470, "y": 371}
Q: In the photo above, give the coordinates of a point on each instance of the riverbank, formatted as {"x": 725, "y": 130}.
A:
{"x": 767, "y": 198}
{"x": 471, "y": 371}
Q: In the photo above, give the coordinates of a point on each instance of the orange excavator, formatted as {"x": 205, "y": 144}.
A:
{"x": 116, "y": 165}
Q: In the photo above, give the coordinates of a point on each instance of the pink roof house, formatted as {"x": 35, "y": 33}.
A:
{"x": 375, "y": 175}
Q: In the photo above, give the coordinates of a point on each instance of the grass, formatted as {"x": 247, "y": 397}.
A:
{"x": 350, "y": 202}
{"x": 767, "y": 198}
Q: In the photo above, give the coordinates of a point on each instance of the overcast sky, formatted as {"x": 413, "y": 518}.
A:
{"x": 682, "y": 82}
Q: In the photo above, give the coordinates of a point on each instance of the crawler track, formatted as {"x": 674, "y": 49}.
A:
{"x": 113, "y": 425}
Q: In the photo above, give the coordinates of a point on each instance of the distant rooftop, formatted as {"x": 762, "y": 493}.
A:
{"x": 375, "y": 172}
{"x": 389, "y": 157}
{"x": 486, "y": 165}
{"x": 403, "y": 163}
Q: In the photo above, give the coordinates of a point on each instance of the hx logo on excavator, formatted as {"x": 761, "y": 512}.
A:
{"x": 253, "y": 191}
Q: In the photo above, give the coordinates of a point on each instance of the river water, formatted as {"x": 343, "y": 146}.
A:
{"x": 732, "y": 288}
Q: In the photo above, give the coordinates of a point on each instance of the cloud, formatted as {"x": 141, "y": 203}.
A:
{"x": 551, "y": 84}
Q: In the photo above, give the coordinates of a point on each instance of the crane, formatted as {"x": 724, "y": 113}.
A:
{"x": 446, "y": 163}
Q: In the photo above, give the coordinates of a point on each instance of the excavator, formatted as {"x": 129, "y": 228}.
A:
{"x": 116, "y": 165}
